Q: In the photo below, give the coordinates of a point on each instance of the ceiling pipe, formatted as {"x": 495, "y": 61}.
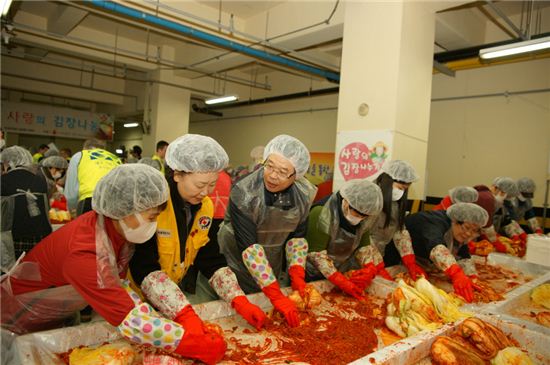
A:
{"x": 213, "y": 39}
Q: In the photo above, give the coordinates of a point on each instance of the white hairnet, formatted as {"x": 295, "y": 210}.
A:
{"x": 55, "y": 161}
{"x": 16, "y": 156}
{"x": 196, "y": 153}
{"x": 463, "y": 194}
{"x": 363, "y": 195}
{"x": 150, "y": 162}
{"x": 400, "y": 170}
{"x": 257, "y": 152}
{"x": 291, "y": 149}
{"x": 507, "y": 185}
{"x": 129, "y": 189}
{"x": 526, "y": 185}
{"x": 468, "y": 212}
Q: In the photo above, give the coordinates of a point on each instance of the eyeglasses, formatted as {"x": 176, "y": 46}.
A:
{"x": 362, "y": 215}
{"x": 270, "y": 169}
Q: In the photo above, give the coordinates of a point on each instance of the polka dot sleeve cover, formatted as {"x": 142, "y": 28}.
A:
{"x": 143, "y": 325}
{"x": 296, "y": 252}
{"x": 255, "y": 260}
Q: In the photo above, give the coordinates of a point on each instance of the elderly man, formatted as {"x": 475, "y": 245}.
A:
{"x": 267, "y": 216}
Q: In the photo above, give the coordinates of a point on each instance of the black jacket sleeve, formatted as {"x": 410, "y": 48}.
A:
{"x": 427, "y": 230}
{"x": 209, "y": 259}
{"x": 145, "y": 260}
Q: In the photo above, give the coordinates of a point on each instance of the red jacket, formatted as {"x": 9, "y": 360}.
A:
{"x": 444, "y": 204}
{"x": 68, "y": 257}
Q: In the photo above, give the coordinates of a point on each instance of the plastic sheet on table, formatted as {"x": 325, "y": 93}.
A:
{"x": 42, "y": 347}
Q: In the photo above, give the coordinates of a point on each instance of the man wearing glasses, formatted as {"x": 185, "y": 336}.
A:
{"x": 263, "y": 232}
{"x": 442, "y": 236}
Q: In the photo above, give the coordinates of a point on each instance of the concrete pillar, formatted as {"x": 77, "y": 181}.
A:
{"x": 387, "y": 65}
{"x": 166, "y": 109}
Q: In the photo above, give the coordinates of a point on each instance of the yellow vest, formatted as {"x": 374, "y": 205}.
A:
{"x": 168, "y": 239}
{"x": 93, "y": 165}
{"x": 160, "y": 160}
{"x": 36, "y": 157}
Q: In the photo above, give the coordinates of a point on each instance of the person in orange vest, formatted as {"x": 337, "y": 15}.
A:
{"x": 182, "y": 242}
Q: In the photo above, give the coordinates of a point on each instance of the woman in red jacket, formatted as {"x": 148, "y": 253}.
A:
{"x": 85, "y": 262}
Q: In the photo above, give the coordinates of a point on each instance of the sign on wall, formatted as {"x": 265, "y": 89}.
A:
{"x": 361, "y": 154}
{"x": 321, "y": 167}
{"x": 54, "y": 121}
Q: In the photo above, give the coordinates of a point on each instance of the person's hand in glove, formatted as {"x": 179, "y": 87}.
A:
{"x": 472, "y": 247}
{"x": 539, "y": 231}
{"x": 346, "y": 285}
{"x": 252, "y": 313}
{"x": 297, "y": 279}
{"x": 363, "y": 277}
{"x": 499, "y": 246}
{"x": 414, "y": 270}
{"x": 462, "y": 284}
{"x": 381, "y": 270}
{"x": 197, "y": 342}
{"x": 282, "y": 304}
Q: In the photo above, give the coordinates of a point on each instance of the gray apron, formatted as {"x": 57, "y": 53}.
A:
{"x": 380, "y": 236}
{"x": 273, "y": 225}
{"x": 342, "y": 244}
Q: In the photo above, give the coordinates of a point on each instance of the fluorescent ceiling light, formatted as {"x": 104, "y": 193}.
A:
{"x": 221, "y": 99}
{"x": 515, "y": 48}
{"x": 119, "y": 150}
{"x": 5, "y": 6}
{"x": 131, "y": 125}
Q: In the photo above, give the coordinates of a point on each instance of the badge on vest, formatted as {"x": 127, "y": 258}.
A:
{"x": 204, "y": 222}
{"x": 164, "y": 233}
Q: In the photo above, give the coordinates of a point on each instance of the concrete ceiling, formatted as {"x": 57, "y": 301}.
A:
{"x": 87, "y": 37}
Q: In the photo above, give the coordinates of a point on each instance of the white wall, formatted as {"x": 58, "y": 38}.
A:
{"x": 474, "y": 140}
{"x": 317, "y": 130}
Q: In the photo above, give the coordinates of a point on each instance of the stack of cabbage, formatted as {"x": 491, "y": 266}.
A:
{"x": 422, "y": 307}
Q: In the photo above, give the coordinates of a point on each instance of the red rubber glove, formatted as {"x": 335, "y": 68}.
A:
{"x": 462, "y": 284}
{"x": 414, "y": 270}
{"x": 363, "y": 277}
{"x": 282, "y": 303}
{"x": 381, "y": 270}
{"x": 297, "y": 279}
{"x": 523, "y": 238}
{"x": 196, "y": 342}
{"x": 346, "y": 285}
{"x": 208, "y": 347}
{"x": 499, "y": 246}
{"x": 539, "y": 231}
{"x": 189, "y": 320}
{"x": 472, "y": 247}
{"x": 252, "y": 313}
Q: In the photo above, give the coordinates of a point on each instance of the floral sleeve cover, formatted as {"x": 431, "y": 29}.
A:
{"x": 368, "y": 254}
{"x": 164, "y": 294}
{"x": 442, "y": 257}
{"x": 224, "y": 282}
{"x": 403, "y": 243}
{"x": 322, "y": 262}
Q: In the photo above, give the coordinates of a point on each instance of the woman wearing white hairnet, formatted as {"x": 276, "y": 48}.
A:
{"x": 442, "y": 237}
{"x": 458, "y": 194}
{"x": 390, "y": 241}
{"x": 25, "y": 204}
{"x": 522, "y": 205}
{"x": 84, "y": 261}
{"x": 267, "y": 216}
{"x": 337, "y": 227}
{"x": 182, "y": 242}
{"x": 53, "y": 168}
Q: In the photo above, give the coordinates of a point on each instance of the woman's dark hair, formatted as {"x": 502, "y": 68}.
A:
{"x": 385, "y": 182}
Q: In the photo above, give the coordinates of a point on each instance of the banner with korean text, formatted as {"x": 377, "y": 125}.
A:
{"x": 361, "y": 154}
{"x": 54, "y": 121}
{"x": 321, "y": 167}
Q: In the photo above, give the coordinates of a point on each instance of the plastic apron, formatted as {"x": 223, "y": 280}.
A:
{"x": 7, "y": 251}
{"x": 380, "y": 236}
{"x": 342, "y": 244}
{"x": 49, "y": 308}
{"x": 273, "y": 224}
